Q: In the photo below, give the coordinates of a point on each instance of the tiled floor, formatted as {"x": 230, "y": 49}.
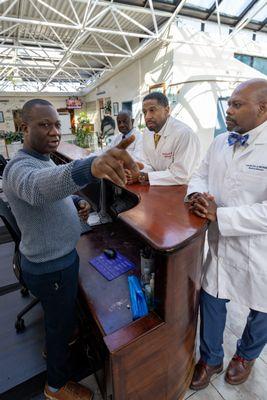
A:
{"x": 254, "y": 389}
{"x": 256, "y": 386}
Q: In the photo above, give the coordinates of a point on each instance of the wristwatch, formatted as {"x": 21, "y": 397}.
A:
{"x": 142, "y": 177}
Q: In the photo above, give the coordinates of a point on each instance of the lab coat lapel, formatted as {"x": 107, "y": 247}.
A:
{"x": 228, "y": 152}
{"x": 256, "y": 145}
{"x": 164, "y": 135}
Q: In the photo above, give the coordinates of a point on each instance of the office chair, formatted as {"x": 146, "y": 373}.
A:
{"x": 3, "y": 163}
{"x": 13, "y": 229}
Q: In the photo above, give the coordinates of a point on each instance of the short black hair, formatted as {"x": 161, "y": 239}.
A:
{"x": 160, "y": 97}
{"x": 29, "y": 105}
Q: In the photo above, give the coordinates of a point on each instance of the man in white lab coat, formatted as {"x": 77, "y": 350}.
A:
{"x": 230, "y": 190}
{"x": 126, "y": 129}
{"x": 171, "y": 150}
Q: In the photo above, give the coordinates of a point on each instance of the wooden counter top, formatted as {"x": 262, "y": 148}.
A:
{"x": 160, "y": 217}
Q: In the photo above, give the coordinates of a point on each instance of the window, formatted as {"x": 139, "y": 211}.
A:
{"x": 127, "y": 105}
{"x": 205, "y": 4}
{"x": 233, "y": 8}
{"x": 259, "y": 63}
{"x": 221, "y": 114}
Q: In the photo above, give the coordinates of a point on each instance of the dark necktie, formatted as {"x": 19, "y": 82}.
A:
{"x": 234, "y": 138}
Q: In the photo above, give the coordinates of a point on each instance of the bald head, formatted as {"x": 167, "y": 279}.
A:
{"x": 247, "y": 106}
{"x": 125, "y": 121}
{"x": 257, "y": 88}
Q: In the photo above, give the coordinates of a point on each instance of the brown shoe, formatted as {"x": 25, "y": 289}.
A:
{"x": 71, "y": 391}
{"x": 203, "y": 373}
{"x": 238, "y": 370}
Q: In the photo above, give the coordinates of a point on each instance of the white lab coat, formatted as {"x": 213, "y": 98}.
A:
{"x": 135, "y": 149}
{"x": 176, "y": 156}
{"x": 236, "y": 265}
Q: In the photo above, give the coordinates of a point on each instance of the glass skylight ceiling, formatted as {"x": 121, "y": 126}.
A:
{"x": 233, "y": 8}
{"x": 204, "y": 4}
{"x": 262, "y": 15}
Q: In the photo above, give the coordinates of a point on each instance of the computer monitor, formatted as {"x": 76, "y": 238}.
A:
{"x": 109, "y": 200}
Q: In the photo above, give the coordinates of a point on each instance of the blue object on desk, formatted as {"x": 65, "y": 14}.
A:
{"x": 111, "y": 268}
{"x": 138, "y": 302}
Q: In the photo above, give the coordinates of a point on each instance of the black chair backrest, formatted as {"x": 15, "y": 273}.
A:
{"x": 10, "y": 222}
{"x": 3, "y": 163}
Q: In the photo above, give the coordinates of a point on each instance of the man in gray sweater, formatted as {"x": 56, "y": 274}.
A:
{"x": 39, "y": 194}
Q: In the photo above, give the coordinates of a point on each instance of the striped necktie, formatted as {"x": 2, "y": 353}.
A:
{"x": 157, "y": 137}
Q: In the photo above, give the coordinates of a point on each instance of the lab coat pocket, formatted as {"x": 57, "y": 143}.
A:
{"x": 258, "y": 255}
{"x": 254, "y": 185}
{"x": 237, "y": 252}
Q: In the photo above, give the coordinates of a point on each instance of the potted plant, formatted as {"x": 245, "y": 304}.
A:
{"x": 107, "y": 107}
{"x": 13, "y": 141}
{"x": 84, "y": 136}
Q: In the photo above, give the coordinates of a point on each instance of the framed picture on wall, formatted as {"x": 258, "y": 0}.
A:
{"x": 102, "y": 113}
{"x": 2, "y": 117}
{"x": 115, "y": 108}
{"x": 160, "y": 87}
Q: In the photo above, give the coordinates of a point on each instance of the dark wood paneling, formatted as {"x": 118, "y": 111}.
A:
{"x": 151, "y": 358}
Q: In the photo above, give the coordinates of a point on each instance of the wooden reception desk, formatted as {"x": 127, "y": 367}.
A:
{"x": 151, "y": 358}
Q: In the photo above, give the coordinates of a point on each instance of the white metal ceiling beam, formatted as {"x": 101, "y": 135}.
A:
{"x": 48, "y": 67}
{"x": 172, "y": 18}
{"x": 133, "y": 21}
{"x": 218, "y": 18}
{"x": 74, "y": 12}
{"x": 42, "y": 49}
{"x": 101, "y": 49}
{"x": 78, "y": 38}
{"x": 149, "y": 42}
{"x": 50, "y": 26}
{"x": 9, "y": 8}
{"x": 95, "y": 53}
{"x": 245, "y": 20}
{"x": 111, "y": 43}
{"x": 98, "y": 16}
{"x": 8, "y": 29}
{"x": 73, "y": 27}
{"x": 124, "y": 37}
{"x": 56, "y": 12}
{"x": 150, "y": 2}
{"x": 131, "y": 8}
{"x": 33, "y": 48}
{"x": 8, "y": 36}
{"x": 87, "y": 63}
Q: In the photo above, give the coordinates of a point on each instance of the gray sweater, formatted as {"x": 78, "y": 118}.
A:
{"x": 38, "y": 192}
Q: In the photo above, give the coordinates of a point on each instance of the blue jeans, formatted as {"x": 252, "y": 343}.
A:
{"x": 57, "y": 292}
{"x": 212, "y": 323}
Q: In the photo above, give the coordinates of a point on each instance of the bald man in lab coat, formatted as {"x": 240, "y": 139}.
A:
{"x": 230, "y": 190}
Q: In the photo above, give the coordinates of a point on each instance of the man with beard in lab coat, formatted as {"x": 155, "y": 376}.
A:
{"x": 170, "y": 148}
{"x": 230, "y": 190}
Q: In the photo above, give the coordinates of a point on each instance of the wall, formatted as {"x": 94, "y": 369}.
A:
{"x": 129, "y": 84}
{"x": 9, "y": 103}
